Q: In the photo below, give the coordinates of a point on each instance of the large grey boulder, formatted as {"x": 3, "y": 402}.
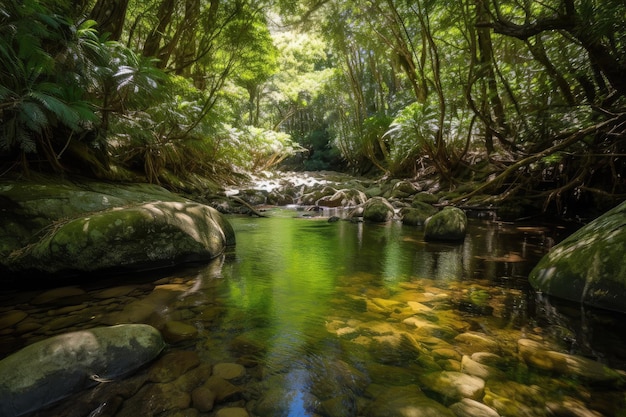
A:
{"x": 52, "y": 369}
{"x": 62, "y": 226}
{"x": 588, "y": 266}
{"x": 144, "y": 236}
{"x": 450, "y": 224}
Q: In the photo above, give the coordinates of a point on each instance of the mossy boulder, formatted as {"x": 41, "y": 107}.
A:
{"x": 449, "y": 224}
{"x": 143, "y": 236}
{"x": 52, "y": 369}
{"x": 588, "y": 266}
{"x": 62, "y": 226}
{"x": 378, "y": 210}
{"x": 417, "y": 214}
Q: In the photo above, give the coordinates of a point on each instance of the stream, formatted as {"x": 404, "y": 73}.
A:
{"x": 315, "y": 318}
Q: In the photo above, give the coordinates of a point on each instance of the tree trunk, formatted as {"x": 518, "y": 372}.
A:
{"x": 110, "y": 15}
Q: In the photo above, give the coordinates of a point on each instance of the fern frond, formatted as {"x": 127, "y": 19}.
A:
{"x": 25, "y": 141}
{"x": 32, "y": 117}
{"x": 61, "y": 110}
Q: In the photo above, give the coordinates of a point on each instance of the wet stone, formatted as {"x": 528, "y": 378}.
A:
{"x": 224, "y": 390}
{"x": 173, "y": 365}
{"x": 11, "y": 318}
{"x": 193, "y": 378}
{"x": 67, "y": 310}
{"x": 406, "y": 401}
{"x": 58, "y": 296}
{"x": 229, "y": 371}
{"x": 114, "y": 292}
{"x": 488, "y": 358}
{"x": 232, "y": 412}
{"x": 470, "y": 408}
{"x": 177, "y": 331}
{"x": 446, "y": 353}
{"x": 537, "y": 355}
{"x": 203, "y": 399}
{"x": 473, "y": 342}
{"x": 485, "y": 372}
{"x": 454, "y": 385}
{"x": 153, "y": 399}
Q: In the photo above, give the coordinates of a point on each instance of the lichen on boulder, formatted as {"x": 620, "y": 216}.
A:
{"x": 588, "y": 266}
{"x": 450, "y": 224}
{"x": 52, "y": 369}
{"x": 59, "y": 228}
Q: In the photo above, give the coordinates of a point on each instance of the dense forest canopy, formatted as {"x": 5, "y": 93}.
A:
{"x": 525, "y": 97}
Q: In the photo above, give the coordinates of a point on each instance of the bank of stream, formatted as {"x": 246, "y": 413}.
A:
{"x": 315, "y": 318}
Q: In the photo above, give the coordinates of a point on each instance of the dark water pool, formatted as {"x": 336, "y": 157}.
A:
{"x": 318, "y": 318}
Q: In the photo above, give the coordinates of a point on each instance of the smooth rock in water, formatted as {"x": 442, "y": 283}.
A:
{"x": 203, "y": 399}
{"x": 450, "y": 224}
{"x": 473, "y": 342}
{"x": 485, "y": 372}
{"x": 471, "y": 408}
{"x": 231, "y": 412}
{"x": 538, "y": 356}
{"x": 57, "y": 295}
{"x": 229, "y": 371}
{"x": 406, "y": 401}
{"x": 588, "y": 266}
{"x": 55, "y": 368}
{"x": 378, "y": 210}
{"x": 224, "y": 390}
{"x": 173, "y": 365}
{"x": 11, "y": 318}
{"x": 454, "y": 385}
{"x": 177, "y": 331}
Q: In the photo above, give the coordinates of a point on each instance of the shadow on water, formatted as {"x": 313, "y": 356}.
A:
{"x": 329, "y": 318}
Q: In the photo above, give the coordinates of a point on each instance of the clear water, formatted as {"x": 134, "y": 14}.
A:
{"x": 301, "y": 302}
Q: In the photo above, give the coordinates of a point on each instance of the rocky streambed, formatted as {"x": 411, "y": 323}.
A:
{"x": 360, "y": 318}
{"x": 371, "y": 343}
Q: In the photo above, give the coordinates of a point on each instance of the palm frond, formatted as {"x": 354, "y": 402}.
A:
{"x": 32, "y": 117}
{"x": 61, "y": 110}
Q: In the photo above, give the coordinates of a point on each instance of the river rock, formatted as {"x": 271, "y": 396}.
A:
{"x": 404, "y": 189}
{"x": 538, "y": 356}
{"x": 588, "y": 266}
{"x": 229, "y": 371}
{"x": 378, "y": 210}
{"x": 58, "y": 296}
{"x": 55, "y": 368}
{"x": 343, "y": 198}
{"x": 454, "y": 385}
{"x": 99, "y": 225}
{"x": 485, "y": 372}
{"x": 471, "y": 408}
{"x": 232, "y": 412}
{"x": 173, "y": 365}
{"x": 450, "y": 224}
{"x": 417, "y": 214}
{"x": 203, "y": 399}
{"x": 406, "y": 401}
{"x": 395, "y": 349}
{"x": 472, "y": 342}
{"x": 150, "y": 235}
{"x": 176, "y": 331}
{"x": 11, "y": 318}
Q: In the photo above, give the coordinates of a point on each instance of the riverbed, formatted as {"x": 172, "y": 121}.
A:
{"x": 311, "y": 317}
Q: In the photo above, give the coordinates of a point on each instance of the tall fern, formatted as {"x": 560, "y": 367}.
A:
{"x": 43, "y": 79}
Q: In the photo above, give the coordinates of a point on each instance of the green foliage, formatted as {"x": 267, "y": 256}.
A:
{"x": 45, "y": 63}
